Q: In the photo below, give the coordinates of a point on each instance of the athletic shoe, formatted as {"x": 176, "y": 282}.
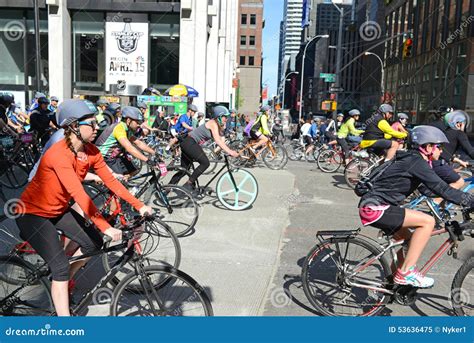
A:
{"x": 413, "y": 278}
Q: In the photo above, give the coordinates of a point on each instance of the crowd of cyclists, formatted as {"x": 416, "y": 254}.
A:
{"x": 79, "y": 141}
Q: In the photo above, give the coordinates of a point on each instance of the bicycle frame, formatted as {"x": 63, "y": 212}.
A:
{"x": 226, "y": 165}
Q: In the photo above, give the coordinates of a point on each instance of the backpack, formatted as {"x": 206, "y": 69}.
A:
{"x": 248, "y": 128}
{"x": 366, "y": 183}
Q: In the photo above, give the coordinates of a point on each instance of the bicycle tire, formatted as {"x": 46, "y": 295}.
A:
{"x": 229, "y": 198}
{"x": 170, "y": 282}
{"x": 322, "y": 306}
{"x": 37, "y": 294}
{"x": 460, "y": 294}
{"x": 354, "y": 170}
{"x": 185, "y": 209}
{"x": 295, "y": 152}
{"x": 13, "y": 176}
{"x": 166, "y": 255}
{"x": 278, "y": 161}
{"x": 329, "y": 161}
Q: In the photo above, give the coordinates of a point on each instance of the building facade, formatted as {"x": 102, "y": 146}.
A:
{"x": 161, "y": 43}
{"x": 249, "y": 52}
{"x": 438, "y": 68}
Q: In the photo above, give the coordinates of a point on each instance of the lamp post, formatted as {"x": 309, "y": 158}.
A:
{"x": 382, "y": 88}
{"x": 302, "y": 70}
{"x": 284, "y": 86}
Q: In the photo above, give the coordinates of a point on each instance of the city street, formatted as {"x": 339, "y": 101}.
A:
{"x": 250, "y": 262}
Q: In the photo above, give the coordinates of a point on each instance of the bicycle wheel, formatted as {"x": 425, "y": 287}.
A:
{"x": 329, "y": 161}
{"x": 295, "y": 152}
{"x": 275, "y": 157}
{"x": 329, "y": 271}
{"x": 177, "y": 294}
{"x": 12, "y": 176}
{"x": 356, "y": 169}
{"x": 160, "y": 247}
{"x": 462, "y": 289}
{"x": 21, "y": 292}
{"x": 246, "y": 194}
{"x": 184, "y": 209}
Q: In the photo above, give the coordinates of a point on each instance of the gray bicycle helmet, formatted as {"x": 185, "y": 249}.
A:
{"x": 454, "y": 117}
{"x": 354, "y": 113}
{"x": 132, "y": 113}
{"x": 70, "y": 111}
{"x": 102, "y": 102}
{"x": 266, "y": 108}
{"x": 386, "y": 108}
{"x": 193, "y": 108}
{"x": 114, "y": 107}
{"x": 142, "y": 105}
{"x": 54, "y": 98}
{"x": 402, "y": 116}
{"x": 340, "y": 115}
{"x": 220, "y": 111}
{"x": 425, "y": 134}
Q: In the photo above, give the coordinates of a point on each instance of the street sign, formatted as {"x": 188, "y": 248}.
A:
{"x": 326, "y": 76}
{"x": 336, "y": 90}
{"x": 330, "y": 79}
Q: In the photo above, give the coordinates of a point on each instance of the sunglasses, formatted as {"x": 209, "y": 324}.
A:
{"x": 439, "y": 146}
{"x": 92, "y": 123}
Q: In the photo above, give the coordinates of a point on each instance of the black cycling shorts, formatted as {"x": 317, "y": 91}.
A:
{"x": 307, "y": 140}
{"x": 255, "y": 135}
{"x": 381, "y": 144}
{"x": 389, "y": 220}
{"x": 121, "y": 165}
{"x": 445, "y": 172}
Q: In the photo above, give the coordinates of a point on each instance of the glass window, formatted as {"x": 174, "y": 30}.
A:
{"x": 243, "y": 19}
{"x": 88, "y": 30}
{"x": 164, "y": 50}
{"x": 253, "y": 19}
{"x": 243, "y": 40}
{"x": 251, "y": 60}
{"x": 252, "y": 40}
{"x": 12, "y": 35}
{"x": 242, "y": 60}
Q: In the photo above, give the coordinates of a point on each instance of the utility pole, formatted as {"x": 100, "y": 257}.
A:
{"x": 38, "y": 46}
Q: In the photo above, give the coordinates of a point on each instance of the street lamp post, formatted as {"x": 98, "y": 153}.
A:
{"x": 339, "y": 53}
{"x": 382, "y": 88}
{"x": 302, "y": 70}
{"x": 284, "y": 87}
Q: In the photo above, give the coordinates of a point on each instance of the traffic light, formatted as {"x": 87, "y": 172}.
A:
{"x": 407, "y": 46}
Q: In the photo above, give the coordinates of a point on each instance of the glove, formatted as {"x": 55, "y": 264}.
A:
{"x": 151, "y": 161}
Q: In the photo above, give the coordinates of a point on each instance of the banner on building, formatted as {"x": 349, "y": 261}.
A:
{"x": 265, "y": 94}
{"x": 306, "y": 11}
{"x": 126, "y": 61}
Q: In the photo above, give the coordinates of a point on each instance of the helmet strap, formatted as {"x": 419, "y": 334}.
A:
{"x": 427, "y": 154}
{"x": 77, "y": 132}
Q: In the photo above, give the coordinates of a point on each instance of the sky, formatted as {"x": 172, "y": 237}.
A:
{"x": 273, "y": 14}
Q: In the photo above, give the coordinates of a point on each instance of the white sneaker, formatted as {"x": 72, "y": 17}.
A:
{"x": 413, "y": 277}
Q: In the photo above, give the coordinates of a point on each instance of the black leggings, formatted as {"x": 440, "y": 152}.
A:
{"x": 41, "y": 233}
{"x": 191, "y": 152}
{"x": 345, "y": 147}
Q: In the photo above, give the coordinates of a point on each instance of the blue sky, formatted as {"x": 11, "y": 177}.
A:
{"x": 273, "y": 14}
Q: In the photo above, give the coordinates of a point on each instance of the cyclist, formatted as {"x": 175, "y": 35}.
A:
{"x": 192, "y": 150}
{"x": 401, "y": 123}
{"x": 348, "y": 132}
{"x": 440, "y": 114}
{"x": 54, "y": 101}
{"x": 102, "y": 105}
{"x": 378, "y": 134}
{"x": 380, "y": 206}
{"x": 111, "y": 115}
{"x": 332, "y": 128}
{"x": 118, "y": 139}
{"x": 41, "y": 120}
{"x": 259, "y": 130}
{"x": 6, "y": 101}
{"x": 277, "y": 129}
{"x": 45, "y": 201}
{"x": 183, "y": 125}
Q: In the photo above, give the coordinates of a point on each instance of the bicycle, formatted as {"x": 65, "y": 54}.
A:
{"x": 274, "y": 155}
{"x": 361, "y": 166}
{"x": 337, "y": 284}
{"x": 332, "y": 158}
{"x": 26, "y": 288}
{"x": 176, "y": 203}
{"x": 236, "y": 189}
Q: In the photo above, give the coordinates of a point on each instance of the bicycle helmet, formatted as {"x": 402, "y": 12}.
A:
{"x": 425, "y": 134}
{"x": 265, "y": 108}
{"x": 402, "y": 116}
{"x": 39, "y": 95}
{"x": 454, "y": 117}
{"x": 70, "y": 111}
{"x": 220, "y": 111}
{"x": 114, "y": 108}
{"x": 43, "y": 100}
{"x": 354, "y": 113}
{"x": 340, "y": 115}
{"x": 132, "y": 113}
{"x": 102, "y": 102}
{"x": 54, "y": 98}
{"x": 385, "y": 108}
{"x": 193, "y": 108}
{"x": 6, "y": 99}
{"x": 142, "y": 105}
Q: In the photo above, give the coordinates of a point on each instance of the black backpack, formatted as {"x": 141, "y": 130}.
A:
{"x": 366, "y": 183}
